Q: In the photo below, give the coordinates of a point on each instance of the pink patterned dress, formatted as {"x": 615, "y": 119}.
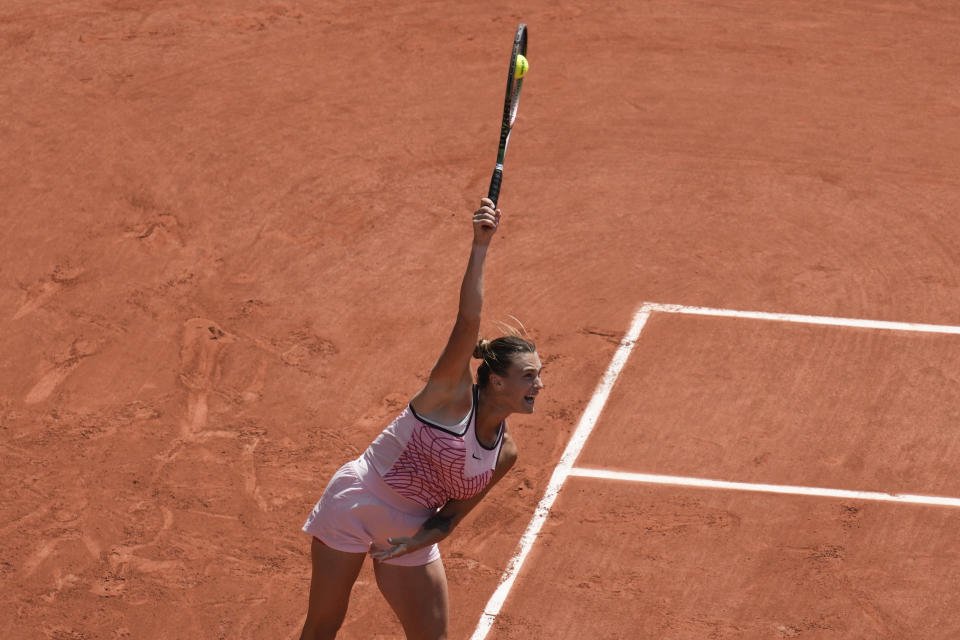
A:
{"x": 430, "y": 463}
{"x": 408, "y": 472}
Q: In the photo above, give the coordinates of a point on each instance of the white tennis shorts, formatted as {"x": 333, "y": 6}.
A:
{"x": 359, "y": 511}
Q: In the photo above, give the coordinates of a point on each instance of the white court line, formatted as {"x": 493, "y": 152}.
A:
{"x": 565, "y": 467}
{"x": 560, "y": 473}
{"x": 801, "y": 319}
{"x": 704, "y": 483}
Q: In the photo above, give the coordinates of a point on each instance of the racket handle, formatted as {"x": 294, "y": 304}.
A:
{"x": 494, "y": 193}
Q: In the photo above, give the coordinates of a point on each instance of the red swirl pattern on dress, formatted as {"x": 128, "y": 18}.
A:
{"x": 431, "y": 469}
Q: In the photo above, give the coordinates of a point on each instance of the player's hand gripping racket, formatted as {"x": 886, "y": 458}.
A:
{"x": 509, "y": 110}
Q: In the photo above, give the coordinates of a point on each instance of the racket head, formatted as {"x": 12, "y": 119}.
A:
{"x": 510, "y": 106}
{"x": 514, "y": 85}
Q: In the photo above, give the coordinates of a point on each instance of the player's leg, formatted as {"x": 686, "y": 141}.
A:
{"x": 334, "y": 573}
{"x": 418, "y": 596}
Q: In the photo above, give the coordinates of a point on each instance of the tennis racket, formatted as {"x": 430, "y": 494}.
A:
{"x": 509, "y": 110}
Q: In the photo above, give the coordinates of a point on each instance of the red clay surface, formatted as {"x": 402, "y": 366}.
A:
{"x": 232, "y": 233}
{"x": 755, "y": 401}
{"x": 622, "y": 561}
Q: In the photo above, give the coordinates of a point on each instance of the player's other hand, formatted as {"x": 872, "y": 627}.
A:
{"x": 401, "y": 546}
{"x": 486, "y": 219}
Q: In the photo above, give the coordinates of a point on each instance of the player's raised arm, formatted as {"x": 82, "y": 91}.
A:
{"x": 449, "y": 385}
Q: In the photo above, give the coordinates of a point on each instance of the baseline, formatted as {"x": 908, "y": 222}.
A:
{"x": 704, "y": 483}
{"x": 885, "y": 325}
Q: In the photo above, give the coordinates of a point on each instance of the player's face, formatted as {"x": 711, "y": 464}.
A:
{"x": 522, "y": 382}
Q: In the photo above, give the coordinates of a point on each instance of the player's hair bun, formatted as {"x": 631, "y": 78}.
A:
{"x": 480, "y": 350}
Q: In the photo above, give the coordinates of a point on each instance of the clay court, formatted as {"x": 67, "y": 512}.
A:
{"x": 232, "y": 238}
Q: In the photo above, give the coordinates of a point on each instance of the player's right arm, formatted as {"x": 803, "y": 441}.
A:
{"x": 447, "y": 394}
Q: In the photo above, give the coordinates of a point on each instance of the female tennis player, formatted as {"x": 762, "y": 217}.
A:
{"x": 425, "y": 472}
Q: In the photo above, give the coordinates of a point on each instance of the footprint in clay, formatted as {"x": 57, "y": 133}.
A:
{"x": 201, "y": 353}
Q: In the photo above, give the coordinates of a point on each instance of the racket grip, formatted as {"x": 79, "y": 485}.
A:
{"x": 494, "y": 192}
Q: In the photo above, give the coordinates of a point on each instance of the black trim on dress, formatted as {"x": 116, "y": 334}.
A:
{"x": 434, "y": 425}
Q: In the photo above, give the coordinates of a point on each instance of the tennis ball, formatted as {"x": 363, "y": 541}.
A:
{"x": 521, "y": 67}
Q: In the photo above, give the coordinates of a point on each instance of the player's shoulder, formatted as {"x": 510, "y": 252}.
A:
{"x": 442, "y": 403}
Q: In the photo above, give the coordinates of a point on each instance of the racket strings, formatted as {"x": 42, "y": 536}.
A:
{"x": 514, "y": 102}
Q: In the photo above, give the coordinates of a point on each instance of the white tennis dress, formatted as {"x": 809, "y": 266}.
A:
{"x": 408, "y": 472}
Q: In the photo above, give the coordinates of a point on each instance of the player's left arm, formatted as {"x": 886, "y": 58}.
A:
{"x": 441, "y": 524}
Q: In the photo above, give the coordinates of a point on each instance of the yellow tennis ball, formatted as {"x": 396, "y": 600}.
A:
{"x": 521, "y": 67}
